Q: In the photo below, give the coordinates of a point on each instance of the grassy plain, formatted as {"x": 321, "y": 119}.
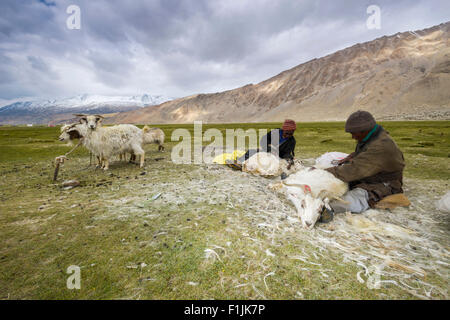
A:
{"x": 209, "y": 235}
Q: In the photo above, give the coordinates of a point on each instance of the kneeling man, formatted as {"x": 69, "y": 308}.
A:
{"x": 279, "y": 141}
{"x": 373, "y": 171}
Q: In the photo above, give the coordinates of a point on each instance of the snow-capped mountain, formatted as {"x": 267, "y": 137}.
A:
{"x": 40, "y": 111}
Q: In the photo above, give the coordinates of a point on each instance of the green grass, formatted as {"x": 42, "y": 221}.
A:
{"x": 425, "y": 144}
{"x": 76, "y": 227}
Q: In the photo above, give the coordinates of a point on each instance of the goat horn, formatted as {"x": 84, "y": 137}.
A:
{"x": 340, "y": 200}
{"x": 293, "y": 184}
{"x": 322, "y": 194}
{"x": 305, "y": 187}
{"x": 79, "y": 115}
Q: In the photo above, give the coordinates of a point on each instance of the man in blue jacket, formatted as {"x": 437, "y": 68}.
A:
{"x": 279, "y": 141}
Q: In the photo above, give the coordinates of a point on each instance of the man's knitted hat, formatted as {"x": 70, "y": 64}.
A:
{"x": 360, "y": 121}
{"x": 289, "y": 125}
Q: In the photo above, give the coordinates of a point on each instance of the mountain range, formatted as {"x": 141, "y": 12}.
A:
{"x": 402, "y": 76}
{"x": 405, "y": 76}
{"x": 42, "y": 111}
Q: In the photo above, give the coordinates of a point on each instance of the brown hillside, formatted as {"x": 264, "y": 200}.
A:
{"x": 406, "y": 75}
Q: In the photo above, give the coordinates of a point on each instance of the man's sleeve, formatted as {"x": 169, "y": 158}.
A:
{"x": 365, "y": 164}
{"x": 293, "y": 149}
{"x": 287, "y": 149}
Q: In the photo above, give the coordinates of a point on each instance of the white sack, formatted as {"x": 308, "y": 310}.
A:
{"x": 326, "y": 160}
{"x": 444, "y": 204}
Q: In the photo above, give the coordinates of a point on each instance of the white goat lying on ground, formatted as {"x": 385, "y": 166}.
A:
{"x": 310, "y": 190}
{"x": 107, "y": 142}
{"x": 269, "y": 165}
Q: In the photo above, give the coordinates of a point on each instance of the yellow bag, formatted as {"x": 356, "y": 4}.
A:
{"x": 222, "y": 158}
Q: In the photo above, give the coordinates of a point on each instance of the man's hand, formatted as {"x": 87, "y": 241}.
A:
{"x": 347, "y": 159}
{"x": 291, "y": 162}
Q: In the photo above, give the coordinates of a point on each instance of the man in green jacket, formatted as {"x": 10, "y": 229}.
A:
{"x": 373, "y": 171}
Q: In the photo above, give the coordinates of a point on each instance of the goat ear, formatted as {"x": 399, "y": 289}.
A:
{"x": 99, "y": 116}
{"x": 83, "y": 120}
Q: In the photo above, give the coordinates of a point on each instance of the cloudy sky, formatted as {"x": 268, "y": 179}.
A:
{"x": 181, "y": 47}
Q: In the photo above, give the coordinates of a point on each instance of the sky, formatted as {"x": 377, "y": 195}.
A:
{"x": 177, "y": 48}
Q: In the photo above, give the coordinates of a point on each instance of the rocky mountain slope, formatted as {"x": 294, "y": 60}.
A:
{"x": 403, "y": 76}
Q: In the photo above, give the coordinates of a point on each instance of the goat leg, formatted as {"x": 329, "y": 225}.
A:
{"x": 142, "y": 160}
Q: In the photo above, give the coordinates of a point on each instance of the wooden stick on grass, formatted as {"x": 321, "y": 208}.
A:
{"x": 60, "y": 160}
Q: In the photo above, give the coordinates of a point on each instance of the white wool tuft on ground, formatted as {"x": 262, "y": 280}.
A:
{"x": 444, "y": 203}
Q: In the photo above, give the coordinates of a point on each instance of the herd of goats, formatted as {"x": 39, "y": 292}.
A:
{"x": 107, "y": 142}
{"x": 309, "y": 190}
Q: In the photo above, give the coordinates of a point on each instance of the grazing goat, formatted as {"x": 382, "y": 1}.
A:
{"x": 107, "y": 142}
{"x": 149, "y": 135}
{"x": 309, "y": 190}
{"x": 154, "y": 135}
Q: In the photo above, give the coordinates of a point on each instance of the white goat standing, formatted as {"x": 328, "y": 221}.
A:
{"x": 107, "y": 142}
{"x": 310, "y": 189}
{"x": 70, "y": 132}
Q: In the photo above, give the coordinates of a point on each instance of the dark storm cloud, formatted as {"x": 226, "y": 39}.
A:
{"x": 20, "y": 18}
{"x": 176, "y": 47}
